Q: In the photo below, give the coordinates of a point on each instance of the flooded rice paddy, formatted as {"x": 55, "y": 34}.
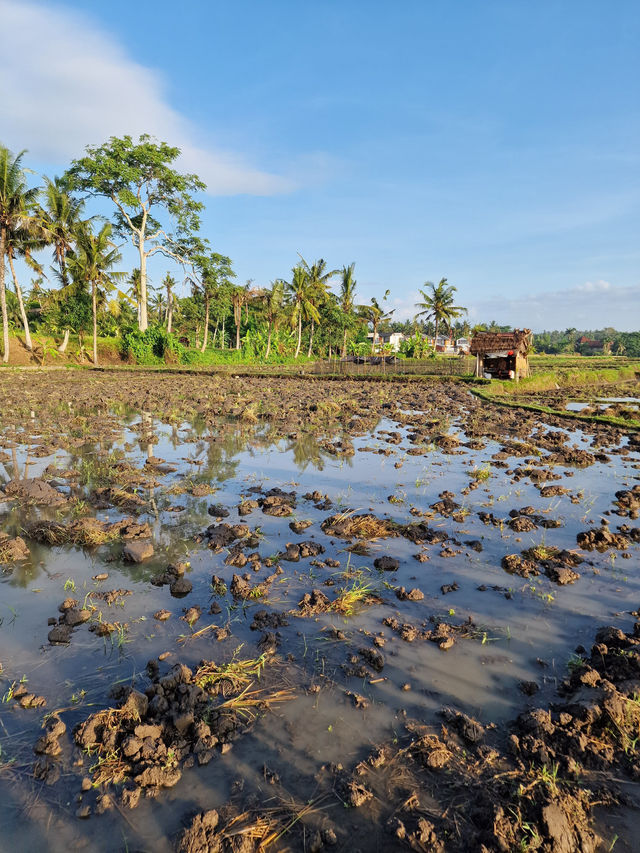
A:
{"x": 313, "y": 614}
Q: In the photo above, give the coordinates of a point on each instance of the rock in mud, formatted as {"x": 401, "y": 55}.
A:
{"x": 218, "y": 511}
{"x": 180, "y": 587}
{"x": 60, "y": 635}
{"x": 386, "y": 564}
{"x": 138, "y": 551}
{"x": 74, "y": 616}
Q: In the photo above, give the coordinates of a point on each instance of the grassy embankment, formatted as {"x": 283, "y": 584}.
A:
{"x": 573, "y": 383}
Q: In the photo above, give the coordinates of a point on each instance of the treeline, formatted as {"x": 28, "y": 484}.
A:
{"x": 607, "y": 341}
{"x": 79, "y": 292}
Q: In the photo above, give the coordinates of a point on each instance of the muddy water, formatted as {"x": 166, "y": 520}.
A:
{"x": 521, "y": 629}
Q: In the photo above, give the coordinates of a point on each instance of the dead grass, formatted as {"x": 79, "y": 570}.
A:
{"x": 88, "y": 533}
{"x": 365, "y": 526}
{"x": 109, "y": 769}
{"x": 233, "y": 676}
{"x": 249, "y": 702}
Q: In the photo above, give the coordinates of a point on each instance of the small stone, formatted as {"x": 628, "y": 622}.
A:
{"x": 138, "y": 551}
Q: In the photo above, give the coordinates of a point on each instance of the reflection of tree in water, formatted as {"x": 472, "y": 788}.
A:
{"x": 220, "y": 448}
{"x": 306, "y": 451}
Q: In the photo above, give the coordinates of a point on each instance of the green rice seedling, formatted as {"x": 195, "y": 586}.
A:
{"x": 351, "y": 597}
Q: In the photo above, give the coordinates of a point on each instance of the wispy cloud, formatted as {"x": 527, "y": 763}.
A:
{"x": 591, "y": 305}
{"x": 66, "y": 84}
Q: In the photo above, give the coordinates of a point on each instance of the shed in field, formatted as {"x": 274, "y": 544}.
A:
{"x": 502, "y": 355}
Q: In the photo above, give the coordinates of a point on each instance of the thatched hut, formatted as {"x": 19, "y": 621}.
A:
{"x": 502, "y": 355}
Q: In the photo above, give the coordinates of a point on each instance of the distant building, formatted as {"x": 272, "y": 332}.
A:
{"x": 588, "y": 346}
{"x": 391, "y": 339}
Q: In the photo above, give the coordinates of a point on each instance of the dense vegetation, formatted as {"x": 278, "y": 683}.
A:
{"x": 78, "y": 290}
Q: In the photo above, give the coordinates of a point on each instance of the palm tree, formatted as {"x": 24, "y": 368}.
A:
{"x": 374, "y": 313}
{"x": 16, "y": 217}
{"x": 90, "y": 263}
{"x": 438, "y": 304}
{"x": 299, "y": 292}
{"x": 135, "y": 289}
{"x": 240, "y": 298}
{"x": 60, "y": 216}
{"x": 169, "y": 282}
{"x": 25, "y": 238}
{"x": 347, "y": 297}
{"x": 318, "y": 285}
{"x": 273, "y": 304}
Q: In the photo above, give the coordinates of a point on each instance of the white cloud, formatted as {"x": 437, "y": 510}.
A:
{"x": 66, "y": 84}
{"x": 592, "y": 305}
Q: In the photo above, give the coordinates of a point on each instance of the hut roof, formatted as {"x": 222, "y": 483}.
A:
{"x": 519, "y": 341}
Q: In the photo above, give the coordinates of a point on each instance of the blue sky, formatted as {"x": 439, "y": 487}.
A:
{"x": 494, "y": 143}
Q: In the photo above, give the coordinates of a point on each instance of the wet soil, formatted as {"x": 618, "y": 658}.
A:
{"x": 307, "y": 614}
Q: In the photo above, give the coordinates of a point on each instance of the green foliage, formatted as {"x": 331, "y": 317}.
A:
{"x": 154, "y": 346}
{"x": 416, "y": 346}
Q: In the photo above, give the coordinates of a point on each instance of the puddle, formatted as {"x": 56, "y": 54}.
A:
{"x": 513, "y": 629}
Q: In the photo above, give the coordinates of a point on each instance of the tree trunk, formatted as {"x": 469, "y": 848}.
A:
{"x": 311, "y": 339}
{"x": 169, "y": 310}
{"x": 239, "y": 320}
{"x": 344, "y": 343}
{"x": 266, "y": 355}
{"x": 143, "y": 321}
{"x": 223, "y": 321}
{"x": 435, "y": 337}
{"x": 373, "y": 342}
{"x": 3, "y": 299}
{"x": 299, "y": 333}
{"x": 94, "y": 308}
{"x": 206, "y": 323}
{"x": 65, "y": 342}
{"x": 215, "y": 334}
{"x": 23, "y": 313}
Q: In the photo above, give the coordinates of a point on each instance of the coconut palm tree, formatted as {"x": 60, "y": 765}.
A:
{"x": 347, "y": 297}
{"x": 91, "y": 263}
{"x": 375, "y": 314}
{"x": 273, "y": 306}
{"x": 60, "y": 215}
{"x": 22, "y": 241}
{"x": 438, "y": 303}
{"x": 135, "y": 290}
{"x": 169, "y": 283}
{"x": 299, "y": 291}
{"x": 317, "y": 289}
{"x": 210, "y": 272}
{"x": 16, "y": 218}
